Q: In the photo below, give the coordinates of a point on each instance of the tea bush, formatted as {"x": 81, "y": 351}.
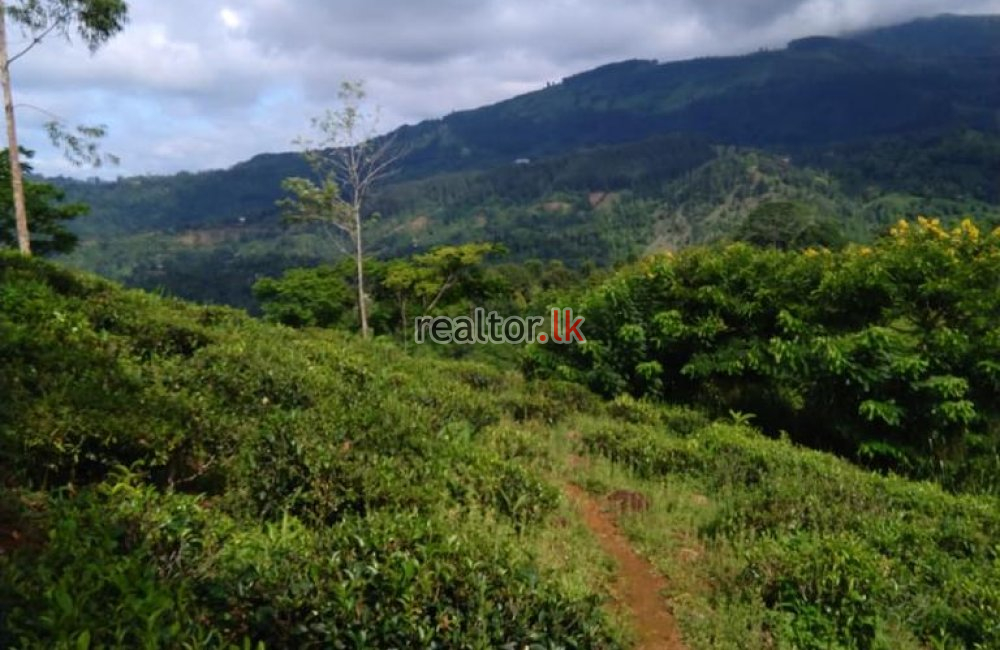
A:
{"x": 129, "y": 566}
{"x": 840, "y": 557}
{"x": 186, "y": 476}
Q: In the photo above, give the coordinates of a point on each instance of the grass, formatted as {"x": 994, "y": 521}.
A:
{"x": 185, "y": 476}
{"x": 769, "y": 545}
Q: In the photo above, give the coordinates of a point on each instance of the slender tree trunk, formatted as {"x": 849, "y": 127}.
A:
{"x": 406, "y": 338}
{"x": 16, "y": 175}
{"x": 449, "y": 281}
{"x": 359, "y": 257}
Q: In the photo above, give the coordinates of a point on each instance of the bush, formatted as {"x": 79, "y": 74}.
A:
{"x": 127, "y": 566}
{"x": 841, "y": 557}
{"x": 296, "y": 489}
{"x": 888, "y": 355}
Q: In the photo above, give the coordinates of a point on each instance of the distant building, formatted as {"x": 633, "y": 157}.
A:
{"x": 523, "y": 161}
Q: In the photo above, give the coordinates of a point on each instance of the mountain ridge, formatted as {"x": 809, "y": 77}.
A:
{"x": 893, "y": 43}
{"x": 923, "y": 125}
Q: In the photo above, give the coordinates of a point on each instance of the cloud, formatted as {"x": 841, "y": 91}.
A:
{"x": 230, "y": 18}
{"x": 196, "y": 84}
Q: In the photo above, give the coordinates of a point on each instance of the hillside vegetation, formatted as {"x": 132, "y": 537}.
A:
{"x": 184, "y": 476}
{"x": 600, "y": 206}
{"x": 178, "y": 475}
{"x": 623, "y": 159}
{"x": 887, "y": 354}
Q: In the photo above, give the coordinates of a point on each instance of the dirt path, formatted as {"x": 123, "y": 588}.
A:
{"x": 639, "y": 585}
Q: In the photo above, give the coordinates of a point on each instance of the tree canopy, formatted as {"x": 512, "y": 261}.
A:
{"x": 47, "y": 211}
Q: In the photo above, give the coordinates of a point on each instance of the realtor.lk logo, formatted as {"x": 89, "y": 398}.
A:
{"x": 482, "y": 327}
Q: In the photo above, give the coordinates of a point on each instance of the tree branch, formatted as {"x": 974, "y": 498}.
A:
{"x": 444, "y": 287}
{"x": 38, "y": 38}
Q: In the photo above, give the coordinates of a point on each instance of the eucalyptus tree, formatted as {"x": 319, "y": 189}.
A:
{"x": 348, "y": 158}
{"x": 93, "y": 21}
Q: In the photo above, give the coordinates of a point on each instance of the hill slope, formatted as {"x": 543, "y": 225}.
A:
{"x": 601, "y": 206}
{"x": 929, "y": 74}
{"x": 176, "y": 475}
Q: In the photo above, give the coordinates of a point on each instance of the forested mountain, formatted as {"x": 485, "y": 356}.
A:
{"x": 936, "y": 39}
{"x": 630, "y": 156}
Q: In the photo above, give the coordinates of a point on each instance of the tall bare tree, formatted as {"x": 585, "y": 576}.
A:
{"x": 349, "y": 158}
{"x": 95, "y": 21}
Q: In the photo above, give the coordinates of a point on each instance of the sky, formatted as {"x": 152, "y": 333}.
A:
{"x": 204, "y": 84}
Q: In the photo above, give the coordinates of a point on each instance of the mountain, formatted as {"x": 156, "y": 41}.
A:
{"x": 937, "y": 39}
{"x": 816, "y": 91}
{"x": 869, "y": 126}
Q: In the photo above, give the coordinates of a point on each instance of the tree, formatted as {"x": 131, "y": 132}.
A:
{"x": 788, "y": 225}
{"x": 348, "y": 160}
{"x": 428, "y": 277}
{"x": 305, "y": 297}
{"x": 44, "y": 202}
{"x": 95, "y": 21}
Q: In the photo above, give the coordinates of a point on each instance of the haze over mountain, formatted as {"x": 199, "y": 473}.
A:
{"x": 817, "y": 109}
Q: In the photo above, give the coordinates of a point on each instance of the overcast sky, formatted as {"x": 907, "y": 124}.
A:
{"x": 199, "y": 84}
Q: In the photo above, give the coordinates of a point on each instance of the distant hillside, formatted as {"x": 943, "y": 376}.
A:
{"x": 816, "y": 91}
{"x": 930, "y": 74}
{"x": 601, "y": 205}
{"x": 870, "y": 127}
{"x": 244, "y": 193}
{"x": 943, "y": 37}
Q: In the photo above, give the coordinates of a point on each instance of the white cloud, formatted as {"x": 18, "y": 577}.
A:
{"x": 230, "y": 18}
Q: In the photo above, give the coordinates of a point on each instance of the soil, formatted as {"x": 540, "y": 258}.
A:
{"x": 626, "y": 501}
{"x": 639, "y": 586}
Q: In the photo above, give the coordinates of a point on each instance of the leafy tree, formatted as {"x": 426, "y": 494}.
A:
{"x": 426, "y": 279}
{"x": 889, "y": 353}
{"x": 44, "y": 204}
{"x": 315, "y": 297}
{"x": 348, "y": 160}
{"x": 95, "y": 21}
{"x": 788, "y": 225}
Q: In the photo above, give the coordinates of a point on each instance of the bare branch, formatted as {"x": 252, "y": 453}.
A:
{"x": 35, "y": 41}
{"x": 338, "y": 242}
{"x": 349, "y": 159}
{"x": 448, "y": 283}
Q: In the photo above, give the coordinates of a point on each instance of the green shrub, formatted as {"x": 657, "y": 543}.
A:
{"x": 889, "y": 354}
{"x": 296, "y": 489}
{"x": 840, "y": 557}
{"x": 127, "y": 566}
{"x": 824, "y": 591}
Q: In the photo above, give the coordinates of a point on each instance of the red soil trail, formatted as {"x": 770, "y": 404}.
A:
{"x": 639, "y": 586}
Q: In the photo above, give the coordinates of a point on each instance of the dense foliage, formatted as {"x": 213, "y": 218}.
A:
{"x": 306, "y": 297}
{"x": 445, "y": 281}
{"x": 888, "y": 353}
{"x": 177, "y": 475}
{"x": 180, "y": 475}
{"x": 48, "y": 212}
{"x": 650, "y": 198}
{"x": 788, "y": 225}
